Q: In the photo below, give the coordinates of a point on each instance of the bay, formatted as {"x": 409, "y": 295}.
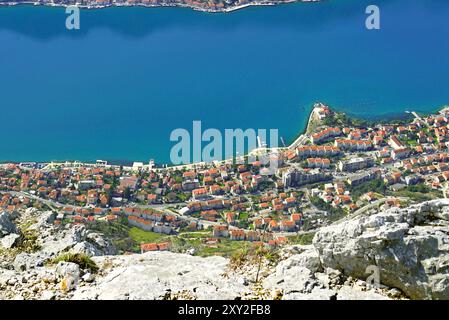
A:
{"x": 116, "y": 88}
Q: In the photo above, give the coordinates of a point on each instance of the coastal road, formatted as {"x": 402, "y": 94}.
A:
{"x": 302, "y": 140}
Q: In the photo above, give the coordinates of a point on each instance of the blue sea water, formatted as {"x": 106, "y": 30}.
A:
{"x": 117, "y": 87}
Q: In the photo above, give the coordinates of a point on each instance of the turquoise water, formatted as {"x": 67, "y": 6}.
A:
{"x": 116, "y": 88}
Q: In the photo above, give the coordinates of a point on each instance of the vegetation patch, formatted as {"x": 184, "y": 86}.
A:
{"x": 336, "y": 213}
{"x": 302, "y": 239}
{"x": 141, "y": 236}
{"x": 29, "y": 242}
{"x": 376, "y": 186}
{"x": 82, "y": 260}
{"x": 253, "y": 256}
{"x": 117, "y": 232}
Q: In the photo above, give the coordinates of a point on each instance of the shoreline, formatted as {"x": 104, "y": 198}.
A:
{"x": 161, "y": 5}
{"x": 293, "y": 144}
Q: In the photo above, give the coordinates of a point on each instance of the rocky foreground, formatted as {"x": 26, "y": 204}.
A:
{"x": 407, "y": 250}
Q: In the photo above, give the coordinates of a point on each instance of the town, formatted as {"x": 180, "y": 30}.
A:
{"x": 199, "y": 5}
{"x": 340, "y": 166}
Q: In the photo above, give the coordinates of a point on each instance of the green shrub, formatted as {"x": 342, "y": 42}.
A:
{"x": 82, "y": 260}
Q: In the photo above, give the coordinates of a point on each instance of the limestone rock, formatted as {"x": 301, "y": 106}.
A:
{"x": 78, "y": 240}
{"x": 6, "y": 225}
{"x": 88, "y": 277}
{"x": 103, "y": 245}
{"x": 293, "y": 279}
{"x": 353, "y": 293}
{"x": 44, "y": 219}
{"x": 410, "y": 252}
{"x": 158, "y": 275}
{"x": 69, "y": 274}
{"x": 307, "y": 258}
{"x": 47, "y": 295}
{"x": 86, "y": 248}
{"x": 25, "y": 261}
{"x": 9, "y": 241}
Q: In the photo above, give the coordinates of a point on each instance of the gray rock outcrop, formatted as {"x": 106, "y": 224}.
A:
{"x": 9, "y": 241}
{"x": 156, "y": 275}
{"x": 6, "y": 225}
{"x": 410, "y": 248}
{"x": 301, "y": 277}
{"x": 68, "y": 273}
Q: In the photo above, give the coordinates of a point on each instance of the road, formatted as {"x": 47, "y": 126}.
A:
{"x": 52, "y": 204}
{"x": 416, "y": 116}
{"x": 302, "y": 139}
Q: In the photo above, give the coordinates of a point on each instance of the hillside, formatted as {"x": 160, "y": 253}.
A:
{"x": 408, "y": 247}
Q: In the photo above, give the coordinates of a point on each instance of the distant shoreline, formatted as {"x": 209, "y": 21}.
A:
{"x": 161, "y": 5}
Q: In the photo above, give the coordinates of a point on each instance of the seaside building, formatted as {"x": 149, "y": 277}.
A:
{"x": 355, "y": 164}
{"x": 297, "y": 177}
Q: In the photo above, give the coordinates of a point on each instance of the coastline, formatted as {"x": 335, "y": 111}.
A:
{"x": 295, "y": 143}
{"x": 296, "y": 104}
{"x": 161, "y": 5}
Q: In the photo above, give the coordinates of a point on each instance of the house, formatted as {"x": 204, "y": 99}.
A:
{"x": 273, "y": 243}
{"x": 287, "y": 226}
{"x": 220, "y": 231}
{"x": 164, "y": 246}
{"x": 325, "y": 134}
{"x": 395, "y": 143}
{"x": 215, "y": 189}
{"x": 384, "y": 153}
{"x": 400, "y": 153}
{"x": 110, "y": 217}
{"x": 369, "y": 196}
{"x": 148, "y": 247}
{"x": 69, "y": 210}
{"x": 160, "y": 227}
{"x": 230, "y": 217}
{"x": 353, "y": 145}
{"x": 252, "y": 236}
{"x": 355, "y": 164}
{"x": 296, "y": 218}
{"x": 210, "y": 215}
{"x": 143, "y": 224}
{"x": 237, "y": 234}
{"x": 189, "y": 175}
{"x": 296, "y": 177}
{"x": 318, "y": 163}
{"x": 290, "y": 202}
{"x": 184, "y": 211}
{"x": 152, "y": 198}
{"x": 313, "y": 151}
{"x": 190, "y": 185}
{"x": 200, "y": 193}
{"x": 361, "y": 178}
{"x": 273, "y": 226}
{"x": 128, "y": 183}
